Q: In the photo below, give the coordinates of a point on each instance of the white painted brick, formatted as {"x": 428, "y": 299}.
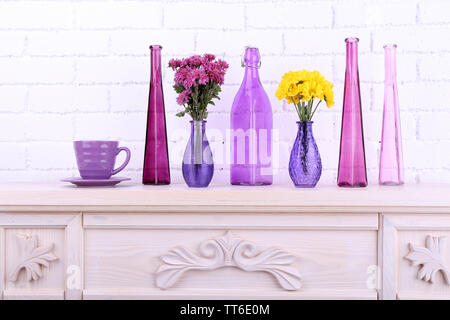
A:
{"x": 36, "y": 70}
{"x": 116, "y": 70}
{"x": 138, "y": 41}
{"x": 434, "y": 126}
{"x": 434, "y": 67}
{"x": 425, "y": 96}
{"x": 137, "y": 157}
{"x": 58, "y": 58}
{"x": 273, "y": 68}
{"x": 234, "y": 42}
{"x": 36, "y": 15}
{"x": 182, "y": 15}
{"x": 13, "y": 98}
{"x": 13, "y": 127}
{"x": 434, "y": 176}
{"x": 434, "y": 11}
{"x": 49, "y": 127}
{"x": 62, "y": 99}
{"x": 289, "y": 14}
{"x": 413, "y": 38}
{"x": 426, "y": 154}
{"x": 372, "y": 123}
{"x": 131, "y": 98}
{"x": 14, "y": 155}
{"x": 12, "y": 43}
{"x": 68, "y": 43}
{"x": 362, "y": 13}
{"x": 372, "y": 149}
{"x": 329, "y": 154}
{"x": 118, "y": 14}
{"x": 122, "y": 127}
{"x": 52, "y": 155}
{"x": 324, "y": 41}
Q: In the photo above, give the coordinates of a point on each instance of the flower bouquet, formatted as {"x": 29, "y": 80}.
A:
{"x": 197, "y": 83}
{"x": 306, "y": 90}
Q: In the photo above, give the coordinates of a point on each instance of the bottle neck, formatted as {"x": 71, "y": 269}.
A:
{"x": 197, "y": 125}
{"x": 352, "y": 57}
{"x": 251, "y": 77}
{"x": 305, "y": 125}
{"x": 155, "y": 59}
{"x": 390, "y": 65}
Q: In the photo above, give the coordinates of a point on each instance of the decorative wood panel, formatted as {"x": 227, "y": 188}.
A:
{"x": 33, "y": 257}
{"x": 122, "y": 254}
{"x": 228, "y": 251}
{"x": 430, "y": 259}
{"x": 406, "y": 263}
{"x": 37, "y": 250}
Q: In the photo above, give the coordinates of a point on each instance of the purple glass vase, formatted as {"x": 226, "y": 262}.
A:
{"x": 251, "y": 128}
{"x": 352, "y": 160}
{"x": 305, "y": 165}
{"x": 198, "y": 166}
{"x": 391, "y": 155}
{"x": 156, "y": 159}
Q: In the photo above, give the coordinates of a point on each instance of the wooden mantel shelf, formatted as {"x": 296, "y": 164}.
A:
{"x": 130, "y": 197}
{"x": 145, "y": 242}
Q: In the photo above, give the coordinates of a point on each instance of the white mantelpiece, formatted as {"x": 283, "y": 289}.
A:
{"x": 173, "y": 242}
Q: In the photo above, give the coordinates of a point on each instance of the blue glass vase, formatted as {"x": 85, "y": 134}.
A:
{"x": 305, "y": 165}
{"x": 198, "y": 166}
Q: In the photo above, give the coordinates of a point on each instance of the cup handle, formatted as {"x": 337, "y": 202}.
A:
{"x": 125, "y": 162}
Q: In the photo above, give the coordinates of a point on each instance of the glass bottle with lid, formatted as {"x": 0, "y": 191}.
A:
{"x": 251, "y": 127}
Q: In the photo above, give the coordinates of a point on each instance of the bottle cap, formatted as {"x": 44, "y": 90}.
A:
{"x": 251, "y": 58}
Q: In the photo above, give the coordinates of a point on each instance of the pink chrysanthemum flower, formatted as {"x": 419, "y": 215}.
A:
{"x": 199, "y": 75}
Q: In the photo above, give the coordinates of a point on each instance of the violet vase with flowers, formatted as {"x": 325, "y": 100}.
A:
{"x": 197, "y": 83}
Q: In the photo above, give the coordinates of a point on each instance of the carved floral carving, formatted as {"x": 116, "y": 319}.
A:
{"x": 228, "y": 251}
{"x": 430, "y": 258}
{"x": 33, "y": 257}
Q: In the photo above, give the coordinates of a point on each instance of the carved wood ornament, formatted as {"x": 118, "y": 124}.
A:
{"x": 228, "y": 251}
{"x": 430, "y": 258}
{"x": 33, "y": 257}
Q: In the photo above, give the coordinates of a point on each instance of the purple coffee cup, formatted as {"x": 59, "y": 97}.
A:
{"x": 96, "y": 158}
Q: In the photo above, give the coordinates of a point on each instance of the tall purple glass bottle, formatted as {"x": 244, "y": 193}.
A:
{"x": 391, "y": 155}
{"x": 352, "y": 160}
{"x": 251, "y": 128}
{"x": 156, "y": 159}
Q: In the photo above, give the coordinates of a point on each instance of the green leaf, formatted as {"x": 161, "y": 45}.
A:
{"x": 181, "y": 113}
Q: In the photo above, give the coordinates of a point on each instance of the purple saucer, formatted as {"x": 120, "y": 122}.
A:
{"x": 95, "y": 182}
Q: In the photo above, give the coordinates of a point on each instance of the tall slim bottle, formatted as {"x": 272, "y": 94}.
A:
{"x": 391, "y": 155}
{"x": 251, "y": 128}
{"x": 352, "y": 160}
{"x": 156, "y": 159}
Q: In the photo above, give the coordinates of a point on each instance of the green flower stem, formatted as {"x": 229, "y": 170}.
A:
{"x": 305, "y": 109}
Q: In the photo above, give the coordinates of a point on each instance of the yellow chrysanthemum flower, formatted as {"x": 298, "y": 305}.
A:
{"x": 303, "y": 88}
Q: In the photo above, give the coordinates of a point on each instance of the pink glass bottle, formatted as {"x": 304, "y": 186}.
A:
{"x": 391, "y": 155}
{"x": 352, "y": 160}
{"x": 251, "y": 128}
{"x": 156, "y": 159}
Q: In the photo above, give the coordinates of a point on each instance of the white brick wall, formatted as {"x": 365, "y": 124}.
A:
{"x": 79, "y": 70}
